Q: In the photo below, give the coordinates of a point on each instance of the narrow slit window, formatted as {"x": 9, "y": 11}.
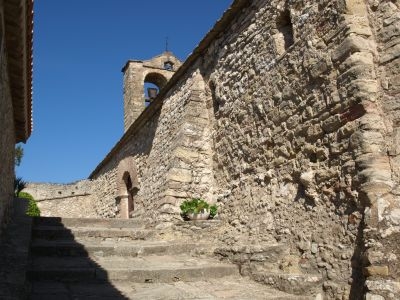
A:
{"x": 285, "y": 37}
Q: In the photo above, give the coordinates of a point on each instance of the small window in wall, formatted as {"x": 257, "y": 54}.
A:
{"x": 169, "y": 65}
{"x": 284, "y": 38}
{"x": 215, "y": 102}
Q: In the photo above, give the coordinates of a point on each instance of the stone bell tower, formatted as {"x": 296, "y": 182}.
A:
{"x": 137, "y": 73}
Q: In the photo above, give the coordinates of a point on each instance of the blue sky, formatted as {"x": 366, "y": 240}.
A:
{"x": 80, "y": 47}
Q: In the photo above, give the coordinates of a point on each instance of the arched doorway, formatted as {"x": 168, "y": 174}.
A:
{"x": 128, "y": 187}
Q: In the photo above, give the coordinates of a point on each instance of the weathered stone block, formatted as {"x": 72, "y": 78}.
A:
{"x": 357, "y": 72}
{"x": 176, "y": 193}
{"x": 356, "y": 7}
{"x": 395, "y": 147}
{"x": 169, "y": 209}
{"x": 351, "y": 45}
{"x": 188, "y": 155}
{"x": 378, "y": 175}
{"x": 358, "y": 25}
{"x": 390, "y": 31}
{"x": 392, "y": 15}
{"x": 370, "y": 296}
{"x": 361, "y": 90}
{"x": 314, "y": 132}
{"x": 180, "y": 175}
{"x": 394, "y": 83}
{"x": 376, "y": 271}
{"x": 394, "y": 216}
{"x": 332, "y": 124}
{"x": 391, "y": 54}
{"x": 376, "y": 286}
{"x": 319, "y": 68}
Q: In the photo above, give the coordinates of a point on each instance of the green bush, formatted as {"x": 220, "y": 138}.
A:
{"x": 197, "y": 205}
{"x": 33, "y": 209}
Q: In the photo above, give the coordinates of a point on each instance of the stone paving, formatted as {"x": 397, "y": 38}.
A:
{"x": 122, "y": 263}
{"x": 114, "y": 259}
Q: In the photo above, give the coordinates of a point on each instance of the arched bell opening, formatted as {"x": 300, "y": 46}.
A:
{"x": 153, "y": 83}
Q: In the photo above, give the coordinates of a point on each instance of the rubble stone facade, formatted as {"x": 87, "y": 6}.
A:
{"x": 286, "y": 116}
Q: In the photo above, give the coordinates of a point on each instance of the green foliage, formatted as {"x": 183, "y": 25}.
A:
{"x": 197, "y": 205}
{"x": 194, "y": 205}
{"x": 33, "y": 209}
{"x": 213, "y": 210}
{"x": 19, "y": 153}
{"x": 19, "y": 185}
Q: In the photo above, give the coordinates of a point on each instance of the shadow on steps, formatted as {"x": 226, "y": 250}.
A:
{"x": 61, "y": 267}
{"x": 14, "y": 251}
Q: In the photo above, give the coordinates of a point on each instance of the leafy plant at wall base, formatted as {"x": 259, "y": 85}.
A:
{"x": 197, "y": 206}
{"x": 213, "y": 210}
{"x": 194, "y": 206}
{"x": 33, "y": 210}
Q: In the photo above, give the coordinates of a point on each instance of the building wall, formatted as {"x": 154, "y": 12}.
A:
{"x": 264, "y": 129}
{"x": 7, "y": 136}
{"x": 288, "y": 121}
{"x": 284, "y": 158}
{"x": 163, "y": 153}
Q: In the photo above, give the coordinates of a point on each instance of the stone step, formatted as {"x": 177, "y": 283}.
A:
{"x": 242, "y": 253}
{"x": 149, "y": 269}
{"x": 109, "y": 248}
{"x": 299, "y": 284}
{"x": 87, "y": 222}
{"x": 122, "y": 259}
{"x": 11, "y": 291}
{"x": 102, "y": 233}
{"x": 229, "y": 288}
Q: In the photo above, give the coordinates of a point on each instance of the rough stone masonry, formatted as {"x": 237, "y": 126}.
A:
{"x": 16, "y": 31}
{"x": 287, "y": 116}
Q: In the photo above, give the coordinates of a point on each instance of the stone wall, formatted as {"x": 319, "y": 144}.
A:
{"x": 287, "y": 118}
{"x": 7, "y": 136}
{"x": 73, "y": 200}
{"x": 68, "y": 207}
{"x": 167, "y": 155}
{"x": 382, "y": 231}
{"x": 287, "y": 103}
{"x": 46, "y": 191}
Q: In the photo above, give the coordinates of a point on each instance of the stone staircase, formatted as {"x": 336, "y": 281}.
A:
{"x": 121, "y": 259}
